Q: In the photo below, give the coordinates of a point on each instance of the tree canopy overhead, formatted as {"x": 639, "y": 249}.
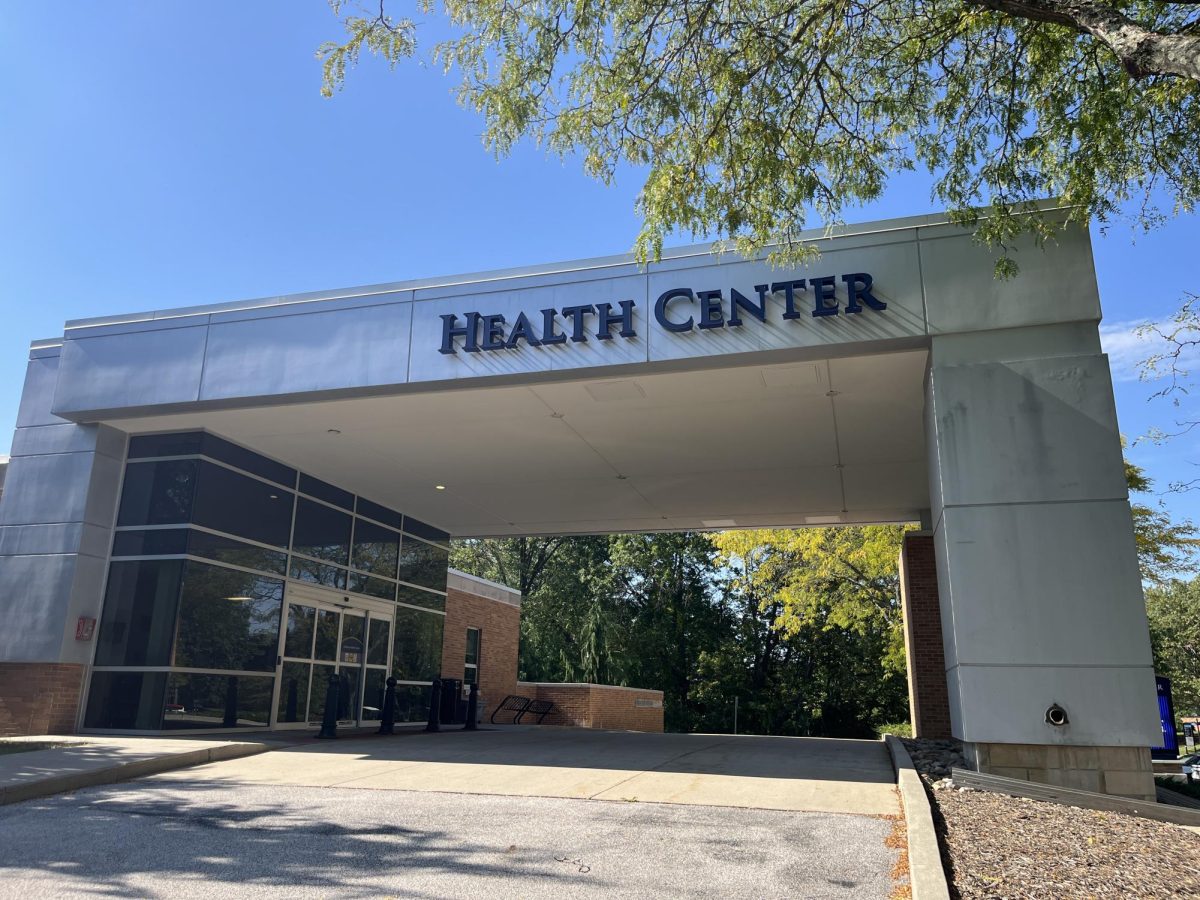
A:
{"x": 748, "y": 116}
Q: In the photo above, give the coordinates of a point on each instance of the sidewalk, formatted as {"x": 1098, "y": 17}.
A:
{"x": 86, "y": 760}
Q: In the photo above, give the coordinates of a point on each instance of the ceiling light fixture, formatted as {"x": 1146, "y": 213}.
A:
{"x": 439, "y": 487}
{"x": 239, "y": 598}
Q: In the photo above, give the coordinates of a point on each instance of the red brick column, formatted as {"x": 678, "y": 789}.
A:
{"x": 39, "y": 698}
{"x": 928, "y": 699}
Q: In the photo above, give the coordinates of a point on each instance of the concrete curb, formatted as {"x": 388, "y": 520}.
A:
{"x": 926, "y": 875}
{"x": 57, "y": 784}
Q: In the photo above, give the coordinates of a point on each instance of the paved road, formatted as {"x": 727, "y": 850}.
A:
{"x": 180, "y": 840}
{"x": 212, "y": 832}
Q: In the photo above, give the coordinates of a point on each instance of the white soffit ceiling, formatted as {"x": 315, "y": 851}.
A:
{"x": 783, "y": 445}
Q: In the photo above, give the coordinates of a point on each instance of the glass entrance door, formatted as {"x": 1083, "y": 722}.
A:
{"x": 335, "y": 636}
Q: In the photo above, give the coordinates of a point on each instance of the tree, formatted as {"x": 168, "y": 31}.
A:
{"x": 833, "y": 596}
{"x": 747, "y": 117}
{"x": 1165, "y": 549}
{"x": 1178, "y": 341}
{"x": 1173, "y": 610}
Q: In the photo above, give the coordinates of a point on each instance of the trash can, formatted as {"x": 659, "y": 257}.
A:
{"x": 451, "y": 691}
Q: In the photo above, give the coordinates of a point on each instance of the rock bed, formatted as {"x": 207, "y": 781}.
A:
{"x": 997, "y": 846}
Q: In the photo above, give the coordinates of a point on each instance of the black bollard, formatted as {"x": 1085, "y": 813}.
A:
{"x": 435, "y": 707}
{"x": 472, "y": 708}
{"x": 231, "y": 702}
{"x": 329, "y": 722}
{"x": 387, "y": 721}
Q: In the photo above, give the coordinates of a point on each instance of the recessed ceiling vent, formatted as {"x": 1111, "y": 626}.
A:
{"x": 718, "y": 523}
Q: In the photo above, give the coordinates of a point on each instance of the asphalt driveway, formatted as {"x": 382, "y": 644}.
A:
{"x": 686, "y": 816}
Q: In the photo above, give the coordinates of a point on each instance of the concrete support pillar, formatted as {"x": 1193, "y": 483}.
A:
{"x": 928, "y": 702}
{"x": 56, "y": 519}
{"x": 1041, "y": 595}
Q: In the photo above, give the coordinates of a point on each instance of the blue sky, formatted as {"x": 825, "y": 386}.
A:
{"x": 163, "y": 154}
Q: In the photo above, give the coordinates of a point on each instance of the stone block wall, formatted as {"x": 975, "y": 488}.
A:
{"x": 1125, "y": 771}
{"x": 603, "y": 706}
{"x": 496, "y": 611}
{"x": 39, "y": 698}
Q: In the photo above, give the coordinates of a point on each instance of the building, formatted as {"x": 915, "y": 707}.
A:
{"x": 190, "y": 478}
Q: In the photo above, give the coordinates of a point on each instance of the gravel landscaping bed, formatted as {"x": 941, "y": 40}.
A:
{"x": 996, "y": 846}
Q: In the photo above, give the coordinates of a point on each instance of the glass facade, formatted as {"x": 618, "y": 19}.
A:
{"x": 199, "y": 627}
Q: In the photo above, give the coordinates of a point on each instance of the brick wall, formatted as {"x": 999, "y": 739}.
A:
{"x": 928, "y": 698}
{"x": 39, "y": 698}
{"x": 599, "y": 706}
{"x": 496, "y": 611}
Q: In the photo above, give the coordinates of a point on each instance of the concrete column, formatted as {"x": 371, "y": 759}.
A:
{"x": 1041, "y": 596}
{"x": 56, "y": 519}
{"x": 928, "y": 703}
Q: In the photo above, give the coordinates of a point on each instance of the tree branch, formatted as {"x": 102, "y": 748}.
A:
{"x": 1141, "y": 51}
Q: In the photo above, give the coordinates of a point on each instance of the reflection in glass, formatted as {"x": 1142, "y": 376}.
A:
{"x": 417, "y": 654}
{"x": 321, "y": 532}
{"x": 299, "y": 638}
{"x": 373, "y": 695}
{"x": 376, "y": 549}
{"x": 423, "y": 564}
{"x": 412, "y": 702}
{"x": 353, "y": 638}
{"x": 158, "y": 493}
{"x": 132, "y": 700}
{"x": 378, "y": 643}
{"x": 372, "y": 587}
{"x": 293, "y": 692}
{"x": 319, "y": 692}
{"x": 160, "y": 542}
{"x": 228, "y": 619}
{"x": 227, "y": 550}
{"x": 318, "y": 573}
{"x": 218, "y": 701}
{"x": 238, "y": 504}
{"x": 138, "y": 623}
{"x": 327, "y": 635}
{"x": 417, "y": 597}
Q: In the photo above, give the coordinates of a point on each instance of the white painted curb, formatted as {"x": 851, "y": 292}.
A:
{"x": 926, "y": 875}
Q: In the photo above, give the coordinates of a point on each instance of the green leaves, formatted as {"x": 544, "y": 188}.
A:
{"x": 749, "y": 118}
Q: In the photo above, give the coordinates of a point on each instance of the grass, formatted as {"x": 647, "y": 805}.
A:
{"x": 899, "y": 729}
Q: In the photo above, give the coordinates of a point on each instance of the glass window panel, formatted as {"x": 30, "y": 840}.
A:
{"x": 473, "y": 646}
{"x": 244, "y": 506}
{"x": 323, "y": 490}
{"x": 354, "y": 637}
{"x": 318, "y": 573}
{"x": 379, "y": 513}
{"x": 299, "y": 639}
{"x": 138, "y": 624}
{"x": 376, "y": 549}
{"x": 319, "y": 692}
{"x": 470, "y": 674}
{"x": 420, "y": 529}
{"x": 374, "y": 694}
{"x": 150, "y": 543}
{"x": 248, "y": 460}
{"x": 183, "y": 443}
{"x": 327, "y": 634}
{"x": 132, "y": 700}
{"x": 228, "y": 619}
{"x": 418, "y": 597}
{"x": 228, "y": 550}
{"x": 293, "y": 692}
{"x": 218, "y": 701}
{"x": 372, "y": 587}
{"x": 417, "y": 654}
{"x": 158, "y": 493}
{"x": 379, "y": 642}
{"x": 412, "y": 703}
{"x": 321, "y": 532}
{"x": 423, "y": 564}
